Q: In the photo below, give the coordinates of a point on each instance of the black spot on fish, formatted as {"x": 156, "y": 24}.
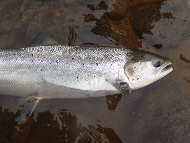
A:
{"x": 41, "y": 70}
{"x": 97, "y": 64}
{"x": 32, "y": 55}
{"x": 77, "y": 77}
{"x": 73, "y": 58}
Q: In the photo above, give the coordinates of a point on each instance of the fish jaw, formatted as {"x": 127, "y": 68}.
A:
{"x": 165, "y": 70}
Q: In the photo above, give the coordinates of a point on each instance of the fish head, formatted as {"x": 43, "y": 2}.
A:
{"x": 144, "y": 68}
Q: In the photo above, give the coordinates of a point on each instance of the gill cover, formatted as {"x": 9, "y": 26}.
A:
{"x": 144, "y": 68}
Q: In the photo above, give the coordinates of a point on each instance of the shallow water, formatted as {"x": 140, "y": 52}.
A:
{"x": 157, "y": 113}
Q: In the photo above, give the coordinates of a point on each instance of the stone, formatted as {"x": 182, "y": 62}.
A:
{"x": 7, "y": 24}
{"x": 117, "y": 10}
{"x": 162, "y": 23}
{"x": 27, "y": 15}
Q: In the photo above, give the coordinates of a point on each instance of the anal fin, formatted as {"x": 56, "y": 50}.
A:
{"x": 27, "y": 105}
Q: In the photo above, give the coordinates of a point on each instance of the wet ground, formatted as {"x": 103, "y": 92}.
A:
{"x": 158, "y": 113}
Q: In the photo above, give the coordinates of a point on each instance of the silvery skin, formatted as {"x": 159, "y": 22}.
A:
{"x": 43, "y": 72}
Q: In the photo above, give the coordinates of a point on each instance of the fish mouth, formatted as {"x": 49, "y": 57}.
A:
{"x": 166, "y": 70}
{"x": 168, "y": 67}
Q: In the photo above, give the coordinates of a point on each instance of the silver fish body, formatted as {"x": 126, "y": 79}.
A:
{"x": 61, "y": 71}
{"x": 75, "y": 72}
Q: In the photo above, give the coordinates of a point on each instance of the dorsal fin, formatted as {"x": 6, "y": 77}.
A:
{"x": 43, "y": 40}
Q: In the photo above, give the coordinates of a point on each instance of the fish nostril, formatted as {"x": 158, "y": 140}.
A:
{"x": 157, "y": 64}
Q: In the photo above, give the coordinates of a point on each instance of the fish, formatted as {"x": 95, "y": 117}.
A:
{"x": 58, "y": 71}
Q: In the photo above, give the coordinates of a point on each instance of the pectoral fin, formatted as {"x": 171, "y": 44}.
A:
{"x": 27, "y": 105}
{"x": 122, "y": 86}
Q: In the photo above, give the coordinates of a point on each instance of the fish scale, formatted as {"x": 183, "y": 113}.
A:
{"x": 65, "y": 53}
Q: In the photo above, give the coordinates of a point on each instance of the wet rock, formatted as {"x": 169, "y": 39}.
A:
{"x": 184, "y": 58}
{"x": 14, "y": 39}
{"x": 112, "y": 101}
{"x": 48, "y": 0}
{"x": 7, "y": 124}
{"x": 102, "y": 28}
{"x": 27, "y": 15}
{"x": 143, "y": 15}
{"x": 70, "y": 1}
{"x": 19, "y": 136}
{"x": 3, "y": 30}
{"x": 187, "y": 79}
{"x": 36, "y": 4}
{"x": 89, "y": 18}
{"x": 18, "y": 24}
{"x": 7, "y": 24}
{"x": 162, "y": 114}
{"x": 123, "y": 34}
{"x": 162, "y": 23}
{"x": 57, "y": 10}
{"x": 3, "y": 40}
{"x": 14, "y": 8}
{"x": 4, "y": 11}
{"x": 118, "y": 9}
{"x": 24, "y": 6}
{"x": 101, "y": 5}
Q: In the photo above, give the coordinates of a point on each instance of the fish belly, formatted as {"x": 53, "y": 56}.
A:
{"x": 49, "y": 80}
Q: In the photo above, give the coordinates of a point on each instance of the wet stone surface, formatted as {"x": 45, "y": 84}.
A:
{"x": 158, "y": 22}
{"x": 117, "y": 10}
{"x": 66, "y": 22}
{"x": 156, "y": 113}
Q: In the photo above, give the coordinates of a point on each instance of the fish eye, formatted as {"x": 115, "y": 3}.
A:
{"x": 157, "y": 64}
